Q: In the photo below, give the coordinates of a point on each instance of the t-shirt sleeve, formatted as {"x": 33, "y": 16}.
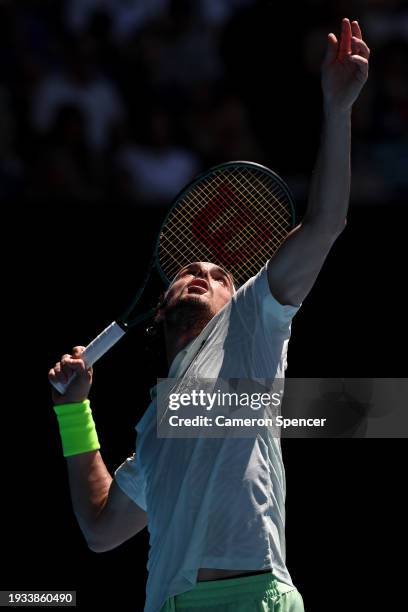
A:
{"x": 259, "y": 328}
{"x": 130, "y": 478}
{"x": 255, "y": 300}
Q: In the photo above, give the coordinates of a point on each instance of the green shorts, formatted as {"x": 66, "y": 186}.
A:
{"x": 257, "y": 593}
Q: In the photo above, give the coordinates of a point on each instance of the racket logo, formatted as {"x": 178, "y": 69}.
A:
{"x": 226, "y": 223}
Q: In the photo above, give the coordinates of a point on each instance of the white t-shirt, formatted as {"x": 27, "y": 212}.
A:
{"x": 215, "y": 502}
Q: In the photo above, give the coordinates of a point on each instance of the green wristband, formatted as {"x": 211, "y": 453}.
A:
{"x": 77, "y": 428}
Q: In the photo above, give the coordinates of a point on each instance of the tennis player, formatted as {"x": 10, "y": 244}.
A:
{"x": 215, "y": 507}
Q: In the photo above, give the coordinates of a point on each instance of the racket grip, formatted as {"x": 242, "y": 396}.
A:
{"x": 95, "y": 349}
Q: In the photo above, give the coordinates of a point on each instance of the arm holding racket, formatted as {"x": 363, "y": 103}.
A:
{"x": 293, "y": 270}
{"x": 107, "y": 517}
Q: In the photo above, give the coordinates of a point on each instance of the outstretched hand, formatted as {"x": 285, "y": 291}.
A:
{"x": 345, "y": 67}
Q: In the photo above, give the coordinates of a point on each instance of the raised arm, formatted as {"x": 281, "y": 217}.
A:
{"x": 293, "y": 270}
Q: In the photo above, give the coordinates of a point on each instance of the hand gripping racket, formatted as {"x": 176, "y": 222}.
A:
{"x": 235, "y": 215}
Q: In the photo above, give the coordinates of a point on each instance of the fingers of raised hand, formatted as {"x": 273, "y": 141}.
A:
{"x": 359, "y": 47}
{"x": 355, "y": 29}
{"x": 345, "y": 37}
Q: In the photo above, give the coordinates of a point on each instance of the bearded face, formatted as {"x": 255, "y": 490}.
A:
{"x": 196, "y": 294}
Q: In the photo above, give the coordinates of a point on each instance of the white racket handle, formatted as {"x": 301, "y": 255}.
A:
{"x": 95, "y": 349}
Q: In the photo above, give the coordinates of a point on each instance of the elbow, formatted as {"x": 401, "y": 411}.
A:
{"x": 343, "y": 225}
{"x": 97, "y": 544}
{"x": 330, "y": 233}
{"x": 329, "y": 229}
{"x": 96, "y": 548}
{"x": 95, "y": 537}
{"x": 93, "y": 543}
{"x": 334, "y": 231}
{"x": 340, "y": 227}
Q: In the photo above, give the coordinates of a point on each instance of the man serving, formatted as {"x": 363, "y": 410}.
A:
{"x": 215, "y": 507}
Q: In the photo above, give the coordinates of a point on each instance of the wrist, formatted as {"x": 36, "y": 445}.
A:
{"x": 64, "y": 401}
{"x": 331, "y": 112}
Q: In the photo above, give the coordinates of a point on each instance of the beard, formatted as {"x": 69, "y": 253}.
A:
{"x": 190, "y": 314}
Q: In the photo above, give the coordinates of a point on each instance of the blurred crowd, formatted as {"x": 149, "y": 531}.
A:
{"x": 112, "y": 102}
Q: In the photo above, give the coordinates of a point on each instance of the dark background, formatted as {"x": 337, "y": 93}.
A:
{"x": 80, "y": 224}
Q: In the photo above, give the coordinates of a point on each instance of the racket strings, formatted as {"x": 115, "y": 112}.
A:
{"x": 236, "y": 218}
{"x": 250, "y": 190}
{"x": 242, "y": 238}
{"x": 222, "y": 220}
{"x": 227, "y": 215}
{"x": 260, "y": 208}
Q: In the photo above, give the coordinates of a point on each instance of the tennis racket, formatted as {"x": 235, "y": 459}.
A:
{"x": 235, "y": 215}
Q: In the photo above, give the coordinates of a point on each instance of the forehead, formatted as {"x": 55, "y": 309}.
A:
{"x": 206, "y": 265}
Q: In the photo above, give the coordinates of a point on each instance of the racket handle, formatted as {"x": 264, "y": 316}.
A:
{"x": 95, "y": 349}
